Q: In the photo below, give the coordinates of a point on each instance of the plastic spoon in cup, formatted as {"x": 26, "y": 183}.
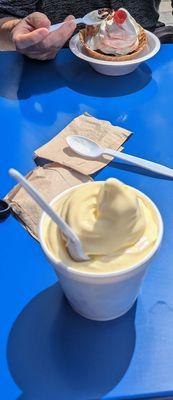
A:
{"x": 88, "y": 19}
{"x": 73, "y": 242}
{"x": 88, "y": 148}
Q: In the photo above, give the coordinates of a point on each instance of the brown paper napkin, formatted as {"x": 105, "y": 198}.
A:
{"x": 49, "y": 180}
{"x": 65, "y": 169}
{"x": 103, "y": 132}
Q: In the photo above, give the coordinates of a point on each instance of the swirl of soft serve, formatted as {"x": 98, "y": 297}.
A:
{"x": 115, "y": 224}
{"x": 117, "y": 35}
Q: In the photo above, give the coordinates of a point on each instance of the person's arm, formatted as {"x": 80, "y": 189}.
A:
{"x": 11, "y": 12}
{"x": 30, "y": 35}
{"x": 7, "y": 24}
{"x": 26, "y": 30}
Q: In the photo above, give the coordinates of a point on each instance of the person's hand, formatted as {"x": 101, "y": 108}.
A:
{"x": 32, "y": 38}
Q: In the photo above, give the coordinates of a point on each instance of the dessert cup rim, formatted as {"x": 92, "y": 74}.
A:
{"x": 73, "y": 44}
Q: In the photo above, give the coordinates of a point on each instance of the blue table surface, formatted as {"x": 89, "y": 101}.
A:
{"x": 47, "y": 351}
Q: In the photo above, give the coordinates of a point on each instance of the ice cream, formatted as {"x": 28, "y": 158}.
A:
{"x": 116, "y": 225}
{"x": 118, "y": 35}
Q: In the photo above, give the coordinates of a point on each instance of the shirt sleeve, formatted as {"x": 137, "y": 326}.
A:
{"x": 17, "y": 8}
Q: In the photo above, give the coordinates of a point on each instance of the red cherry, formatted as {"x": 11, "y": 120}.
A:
{"x": 120, "y": 16}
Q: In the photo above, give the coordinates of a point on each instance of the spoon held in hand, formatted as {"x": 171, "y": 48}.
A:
{"x": 89, "y": 19}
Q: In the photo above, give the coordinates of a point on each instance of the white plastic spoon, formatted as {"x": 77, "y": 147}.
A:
{"x": 73, "y": 242}
{"x": 88, "y": 148}
{"x": 91, "y": 18}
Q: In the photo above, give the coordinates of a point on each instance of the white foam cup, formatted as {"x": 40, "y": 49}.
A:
{"x": 102, "y": 296}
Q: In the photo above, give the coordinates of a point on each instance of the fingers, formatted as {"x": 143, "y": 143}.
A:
{"x": 24, "y": 40}
{"x": 37, "y": 20}
{"x": 30, "y": 31}
{"x": 32, "y": 38}
{"x": 59, "y": 37}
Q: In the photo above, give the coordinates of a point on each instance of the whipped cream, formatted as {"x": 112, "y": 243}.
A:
{"x": 115, "y": 36}
{"x": 117, "y": 226}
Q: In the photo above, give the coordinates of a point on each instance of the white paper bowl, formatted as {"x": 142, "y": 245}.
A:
{"x": 116, "y": 68}
{"x": 103, "y": 296}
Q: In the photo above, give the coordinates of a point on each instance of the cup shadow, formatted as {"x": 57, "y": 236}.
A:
{"x": 22, "y": 78}
{"x": 80, "y": 77}
{"x": 55, "y": 353}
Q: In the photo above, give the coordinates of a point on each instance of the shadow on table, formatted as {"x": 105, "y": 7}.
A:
{"x": 22, "y": 78}
{"x": 80, "y": 77}
{"x": 137, "y": 170}
{"x": 55, "y": 353}
{"x": 11, "y": 69}
{"x": 39, "y": 77}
